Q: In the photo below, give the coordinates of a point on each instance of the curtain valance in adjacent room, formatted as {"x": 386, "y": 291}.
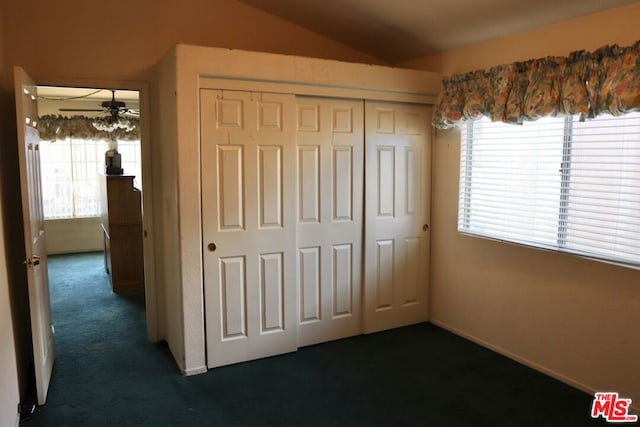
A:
{"x": 54, "y": 128}
{"x": 586, "y": 83}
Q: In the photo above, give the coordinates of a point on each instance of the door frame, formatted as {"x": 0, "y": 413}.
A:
{"x": 154, "y": 327}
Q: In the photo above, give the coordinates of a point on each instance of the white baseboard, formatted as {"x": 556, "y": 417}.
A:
{"x": 194, "y": 371}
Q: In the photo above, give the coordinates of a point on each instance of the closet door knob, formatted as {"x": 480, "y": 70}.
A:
{"x": 425, "y": 227}
{"x": 212, "y": 247}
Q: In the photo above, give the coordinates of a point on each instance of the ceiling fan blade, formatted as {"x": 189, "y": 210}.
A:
{"x": 78, "y": 109}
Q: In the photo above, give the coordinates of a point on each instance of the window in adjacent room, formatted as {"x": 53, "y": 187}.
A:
{"x": 71, "y": 164}
{"x": 70, "y": 174}
{"x": 555, "y": 183}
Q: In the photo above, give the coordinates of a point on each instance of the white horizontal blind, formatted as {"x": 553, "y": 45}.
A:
{"x": 556, "y": 183}
{"x": 603, "y": 210}
{"x": 70, "y": 171}
{"x": 56, "y": 172}
{"x": 510, "y": 180}
{"x": 131, "y": 161}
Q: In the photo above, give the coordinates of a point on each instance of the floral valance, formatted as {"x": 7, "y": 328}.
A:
{"x": 586, "y": 83}
{"x": 54, "y": 128}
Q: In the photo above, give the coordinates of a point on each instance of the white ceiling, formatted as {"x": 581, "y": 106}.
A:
{"x": 88, "y": 94}
{"x": 51, "y": 99}
{"x": 400, "y": 30}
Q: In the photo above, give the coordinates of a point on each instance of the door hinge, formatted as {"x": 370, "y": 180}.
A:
{"x": 30, "y": 262}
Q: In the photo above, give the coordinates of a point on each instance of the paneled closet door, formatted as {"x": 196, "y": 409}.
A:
{"x": 330, "y": 138}
{"x": 397, "y": 196}
{"x": 248, "y": 213}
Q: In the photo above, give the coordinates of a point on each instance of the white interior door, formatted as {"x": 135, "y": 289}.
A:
{"x": 397, "y": 196}
{"x": 330, "y": 137}
{"x": 248, "y": 202}
{"x": 34, "y": 237}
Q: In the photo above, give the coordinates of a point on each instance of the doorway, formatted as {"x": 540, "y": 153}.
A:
{"x": 79, "y": 127}
{"x": 29, "y": 127}
{"x": 74, "y": 141}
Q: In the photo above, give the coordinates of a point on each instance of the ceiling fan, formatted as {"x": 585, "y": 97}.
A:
{"x": 114, "y": 109}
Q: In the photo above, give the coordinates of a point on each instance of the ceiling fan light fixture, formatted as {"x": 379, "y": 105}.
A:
{"x": 113, "y": 104}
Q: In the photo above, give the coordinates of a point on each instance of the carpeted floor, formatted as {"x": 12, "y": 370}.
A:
{"x": 107, "y": 374}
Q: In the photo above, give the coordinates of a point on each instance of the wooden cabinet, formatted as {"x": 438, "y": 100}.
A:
{"x": 122, "y": 231}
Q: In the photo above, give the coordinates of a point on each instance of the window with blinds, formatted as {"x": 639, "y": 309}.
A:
{"x": 70, "y": 171}
{"x": 556, "y": 183}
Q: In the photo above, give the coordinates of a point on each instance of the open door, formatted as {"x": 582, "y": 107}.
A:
{"x": 34, "y": 239}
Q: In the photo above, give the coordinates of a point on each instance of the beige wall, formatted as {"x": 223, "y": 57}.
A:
{"x": 73, "y": 235}
{"x": 121, "y": 42}
{"x": 9, "y": 391}
{"x": 574, "y": 318}
{"x": 169, "y": 238}
{"x": 590, "y": 32}
{"x": 9, "y": 396}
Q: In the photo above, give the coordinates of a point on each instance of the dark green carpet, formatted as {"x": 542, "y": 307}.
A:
{"x": 107, "y": 374}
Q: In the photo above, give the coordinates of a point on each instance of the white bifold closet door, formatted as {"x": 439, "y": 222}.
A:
{"x": 330, "y": 138}
{"x": 248, "y": 155}
{"x": 282, "y": 220}
{"x": 397, "y": 193}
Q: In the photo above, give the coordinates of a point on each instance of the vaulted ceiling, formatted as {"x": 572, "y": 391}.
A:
{"x": 400, "y": 30}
